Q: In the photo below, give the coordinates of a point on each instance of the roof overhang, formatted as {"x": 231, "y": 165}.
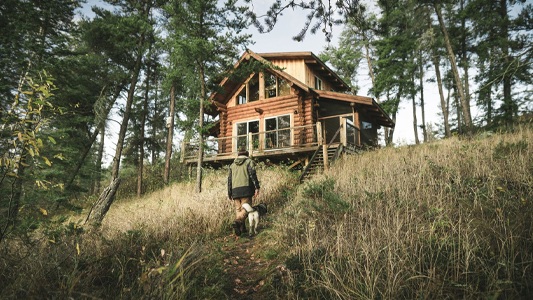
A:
{"x": 372, "y": 108}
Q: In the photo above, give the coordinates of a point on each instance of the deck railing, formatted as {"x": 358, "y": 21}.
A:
{"x": 261, "y": 142}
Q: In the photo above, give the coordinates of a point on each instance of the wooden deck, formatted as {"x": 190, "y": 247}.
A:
{"x": 293, "y": 145}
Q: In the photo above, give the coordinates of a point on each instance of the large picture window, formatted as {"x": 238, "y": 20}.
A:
{"x": 243, "y": 129}
{"x": 277, "y": 132}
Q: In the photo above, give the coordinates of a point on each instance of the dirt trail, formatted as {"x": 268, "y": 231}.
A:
{"x": 248, "y": 273}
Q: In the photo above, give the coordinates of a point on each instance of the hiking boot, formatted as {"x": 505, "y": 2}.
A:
{"x": 237, "y": 228}
{"x": 243, "y": 227}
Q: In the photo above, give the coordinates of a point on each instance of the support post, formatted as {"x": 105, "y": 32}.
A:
{"x": 182, "y": 158}
{"x": 325, "y": 156}
{"x": 319, "y": 135}
{"x": 343, "y": 131}
{"x": 250, "y": 144}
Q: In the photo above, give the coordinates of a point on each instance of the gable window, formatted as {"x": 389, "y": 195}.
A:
{"x": 318, "y": 83}
{"x": 275, "y": 86}
{"x": 250, "y": 91}
{"x": 243, "y": 128}
{"x": 278, "y": 133}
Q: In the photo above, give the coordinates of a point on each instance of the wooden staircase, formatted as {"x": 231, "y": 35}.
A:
{"x": 316, "y": 163}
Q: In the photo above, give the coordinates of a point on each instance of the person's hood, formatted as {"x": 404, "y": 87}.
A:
{"x": 240, "y": 160}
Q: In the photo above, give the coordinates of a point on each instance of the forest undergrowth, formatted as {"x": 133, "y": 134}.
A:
{"x": 449, "y": 219}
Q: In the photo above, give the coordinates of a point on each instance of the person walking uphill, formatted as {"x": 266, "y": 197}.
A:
{"x": 242, "y": 186}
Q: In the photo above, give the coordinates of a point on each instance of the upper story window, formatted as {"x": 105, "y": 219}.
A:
{"x": 250, "y": 91}
{"x": 318, "y": 83}
{"x": 274, "y": 86}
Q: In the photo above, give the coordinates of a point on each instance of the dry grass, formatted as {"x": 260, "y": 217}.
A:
{"x": 446, "y": 220}
{"x": 451, "y": 219}
{"x": 160, "y": 246}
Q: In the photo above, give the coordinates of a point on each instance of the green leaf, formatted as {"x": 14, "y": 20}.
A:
{"x": 52, "y": 140}
{"x": 46, "y": 161}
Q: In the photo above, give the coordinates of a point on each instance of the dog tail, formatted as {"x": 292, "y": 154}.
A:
{"x": 247, "y": 207}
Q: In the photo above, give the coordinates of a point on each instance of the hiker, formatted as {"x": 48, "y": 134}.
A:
{"x": 242, "y": 186}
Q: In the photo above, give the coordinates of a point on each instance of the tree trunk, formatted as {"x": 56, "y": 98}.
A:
{"x": 458, "y": 82}
{"x": 509, "y": 107}
{"x": 464, "y": 59}
{"x": 100, "y": 207}
{"x": 443, "y": 105}
{"x": 458, "y": 110}
{"x": 98, "y": 179}
{"x": 203, "y": 94}
{"x": 143, "y": 127}
{"x": 156, "y": 115}
{"x": 413, "y": 97}
{"x": 390, "y": 134}
{"x": 168, "y": 154}
{"x": 108, "y": 195}
{"x": 100, "y": 128}
{"x": 80, "y": 162}
{"x": 422, "y": 105}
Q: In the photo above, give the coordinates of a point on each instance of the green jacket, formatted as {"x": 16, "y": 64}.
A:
{"x": 242, "y": 178}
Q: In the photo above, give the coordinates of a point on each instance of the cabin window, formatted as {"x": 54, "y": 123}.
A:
{"x": 318, "y": 83}
{"x": 250, "y": 91}
{"x": 241, "y": 97}
{"x": 253, "y": 88}
{"x": 366, "y": 125}
{"x": 277, "y": 132}
{"x": 275, "y": 86}
{"x": 243, "y": 128}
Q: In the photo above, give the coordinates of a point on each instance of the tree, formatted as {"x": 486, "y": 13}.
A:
{"x": 21, "y": 144}
{"x": 465, "y": 105}
{"x": 115, "y": 36}
{"x": 210, "y": 34}
{"x": 503, "y": 55}
{"x": 395, "y": 50}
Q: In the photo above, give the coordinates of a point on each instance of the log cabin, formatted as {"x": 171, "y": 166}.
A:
{"x": 293, "y": 108}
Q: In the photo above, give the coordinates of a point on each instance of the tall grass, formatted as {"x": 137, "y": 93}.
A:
{"x": 162, "y": 246}
{"x": 451, "y": 219}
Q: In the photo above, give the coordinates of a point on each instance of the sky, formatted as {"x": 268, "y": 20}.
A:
{"x": 280, "y": 39}
{"x": 290, "y": 24}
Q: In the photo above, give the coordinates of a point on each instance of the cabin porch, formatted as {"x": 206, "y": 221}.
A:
{"x": 292, "y": 144}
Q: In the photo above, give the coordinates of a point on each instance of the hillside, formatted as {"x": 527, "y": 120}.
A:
{"x": 450, "y": 219}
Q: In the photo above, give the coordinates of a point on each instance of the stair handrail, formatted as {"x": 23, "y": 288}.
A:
{"x": 334, "y": 137}
{"x": 338, "y": 152}
{"x": 308, "y": 166}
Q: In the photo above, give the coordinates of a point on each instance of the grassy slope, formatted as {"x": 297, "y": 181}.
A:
{"x": 450, "y": 219}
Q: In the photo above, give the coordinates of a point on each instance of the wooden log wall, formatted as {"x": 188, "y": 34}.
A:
{"x": 298, "y": 107}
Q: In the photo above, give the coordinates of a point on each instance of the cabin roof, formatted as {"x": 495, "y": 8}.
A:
{"x": 229, "y": 85}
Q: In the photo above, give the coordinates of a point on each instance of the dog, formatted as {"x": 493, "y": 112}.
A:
{"x": 254, "y": 214}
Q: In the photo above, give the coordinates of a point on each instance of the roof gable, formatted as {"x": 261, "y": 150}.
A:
{"x": 231, "y": 83}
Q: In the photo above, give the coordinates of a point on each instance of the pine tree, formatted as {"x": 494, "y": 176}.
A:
{"x": 209, "y": 33}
